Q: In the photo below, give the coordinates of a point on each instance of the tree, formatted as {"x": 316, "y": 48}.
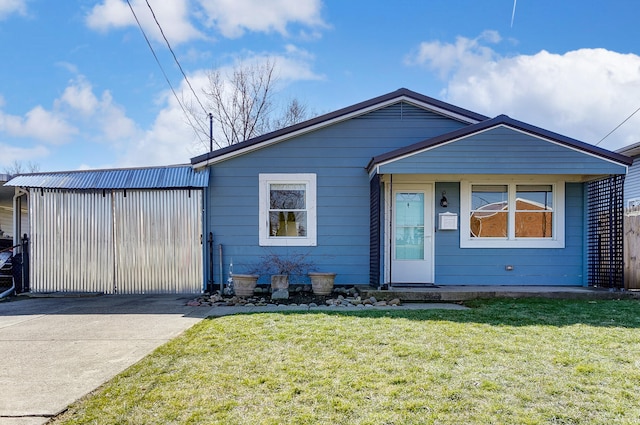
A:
{"x": 242, "y": 103}
{"x": 19, "y": 167}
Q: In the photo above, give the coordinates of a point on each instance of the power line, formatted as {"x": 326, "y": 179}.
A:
{"x": 165, "y": 74}
{"x": 175, "y": 58}
{"x": 619, "y": 125}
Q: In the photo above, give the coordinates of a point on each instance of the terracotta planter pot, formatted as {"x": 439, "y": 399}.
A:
{"x": 322, "y": 283}
{"x": 244, "y": 284}
{"x": 279, "y": 281}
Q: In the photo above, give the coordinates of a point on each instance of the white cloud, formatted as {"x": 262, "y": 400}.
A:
{"x": 171, "y": 140}
{"x": 447, "y": 57}
{"x": 7, "y": 7}
{"x": 582, "y": 94}
{"x": 80, "y": 104}
{"x": 38, "y": 124}
{"x": 173, "y": 17}
{"x": 79, "y": 96}
{"x": 11, "y": 154}
{"x": 233, "y": 17}
{"x": 78, "y": 116}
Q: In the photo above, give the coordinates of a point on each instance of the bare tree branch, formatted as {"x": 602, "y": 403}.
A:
{"x": 20, "y": 167}
{"x": 243, "y": 104}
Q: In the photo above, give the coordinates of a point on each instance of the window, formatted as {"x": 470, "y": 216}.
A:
{"x": 287, "y": 209}
{"x": 513, "y": 215}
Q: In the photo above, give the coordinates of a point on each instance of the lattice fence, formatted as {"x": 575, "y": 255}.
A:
{"x": 605, "y": 232}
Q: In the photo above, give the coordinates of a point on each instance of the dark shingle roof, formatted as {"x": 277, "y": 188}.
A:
{"x": 461, "y": 114}
{"x": 498, "y": 121}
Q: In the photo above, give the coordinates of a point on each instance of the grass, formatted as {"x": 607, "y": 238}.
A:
{"x": 502, "y": 362}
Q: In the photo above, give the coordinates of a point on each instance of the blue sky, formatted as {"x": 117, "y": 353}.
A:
{"x": 79, "y": 87}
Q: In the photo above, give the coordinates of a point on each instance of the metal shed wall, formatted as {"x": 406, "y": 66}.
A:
{"x": 137, "y": 241}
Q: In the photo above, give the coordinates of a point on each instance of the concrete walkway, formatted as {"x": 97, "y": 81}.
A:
{"x": 56, "y": 350}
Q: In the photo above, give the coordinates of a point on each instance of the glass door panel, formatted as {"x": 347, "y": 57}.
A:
{"x": 409, "y": 226}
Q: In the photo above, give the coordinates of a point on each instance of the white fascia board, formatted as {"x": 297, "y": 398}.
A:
{"x": 408, "y": 155}
{"x": 333, "y": 121}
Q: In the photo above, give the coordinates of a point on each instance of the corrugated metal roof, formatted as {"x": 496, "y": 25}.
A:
{"x": 179, "y": 176}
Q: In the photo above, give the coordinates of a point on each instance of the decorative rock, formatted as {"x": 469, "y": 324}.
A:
{"x": 368, "y": 305}
{"x": 395, "y": 302}
{"x": 361, "y": 305}
{"x": 380, "y": 303}
{"x": 373, "y": 300}
{"x": 304, "y": 305}
{"x": 249, "y": 305}
{"x": 367, "y": 302}
{"x": 193, "y": 303}
{"x": 280, "y": 294}
{"x": 312, "y": 305}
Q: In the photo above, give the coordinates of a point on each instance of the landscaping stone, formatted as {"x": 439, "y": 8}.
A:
{"x": 280, "y": 294}
{"x": 296, "y": 296}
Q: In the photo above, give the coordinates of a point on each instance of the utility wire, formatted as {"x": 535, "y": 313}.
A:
{"x": 175, "y": 58}
{"x": 619, "y": 125}
{"x": 165, "y": 74}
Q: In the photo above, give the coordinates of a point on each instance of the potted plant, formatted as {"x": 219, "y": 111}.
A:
{"x": 244, "y": 284}
{"x": 283, "y": 267}
{"x": 322, "y": 283}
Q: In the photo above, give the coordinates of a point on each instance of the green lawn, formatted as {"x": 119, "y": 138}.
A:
{"x": 502, "y": 362}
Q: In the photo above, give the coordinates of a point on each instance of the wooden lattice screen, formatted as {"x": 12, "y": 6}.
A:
{"x": 605, "y": 232}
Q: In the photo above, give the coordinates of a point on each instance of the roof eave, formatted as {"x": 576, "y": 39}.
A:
{"x": 343, "y": 114}
{"x": 501, "y": 120}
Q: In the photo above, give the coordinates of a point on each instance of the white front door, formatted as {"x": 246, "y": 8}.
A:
{"x": 412, "y": 234}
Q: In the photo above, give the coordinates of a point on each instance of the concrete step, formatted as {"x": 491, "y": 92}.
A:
{"x": 464, "y": 293}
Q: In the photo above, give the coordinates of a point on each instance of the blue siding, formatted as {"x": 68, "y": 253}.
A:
{"x": 457, "y": 266}
{"x": 338, "y": 155}
{"x": 502, "y": 151}
{"x": 632, "y": 182}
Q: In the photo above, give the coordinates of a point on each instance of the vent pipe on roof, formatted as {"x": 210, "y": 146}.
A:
{"x": 210, "y": 132}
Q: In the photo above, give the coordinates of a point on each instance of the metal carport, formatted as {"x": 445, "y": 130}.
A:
{"x": 125, "y": 231}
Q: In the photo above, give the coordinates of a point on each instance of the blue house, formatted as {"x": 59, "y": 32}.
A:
{"x": 406, "y": 190}
{"x": 632, "y": 181}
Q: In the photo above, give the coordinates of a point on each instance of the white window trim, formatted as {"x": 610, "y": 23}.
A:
{"x": 309, "y": 180}
{"x": 557, "y": 241}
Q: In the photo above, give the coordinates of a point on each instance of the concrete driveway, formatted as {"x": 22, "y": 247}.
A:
{"x": 56, "y": 350}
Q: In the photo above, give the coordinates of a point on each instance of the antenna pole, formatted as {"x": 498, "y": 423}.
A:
{"x": 210, "y": 132}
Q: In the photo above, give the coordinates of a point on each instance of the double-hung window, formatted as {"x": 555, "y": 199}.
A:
{"x": 287, "y": 209}
{"x": 512, "y": 215}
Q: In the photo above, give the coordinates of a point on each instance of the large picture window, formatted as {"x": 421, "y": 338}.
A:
{"x": 287, "y": 209}
{"x": 512, "y": 215}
